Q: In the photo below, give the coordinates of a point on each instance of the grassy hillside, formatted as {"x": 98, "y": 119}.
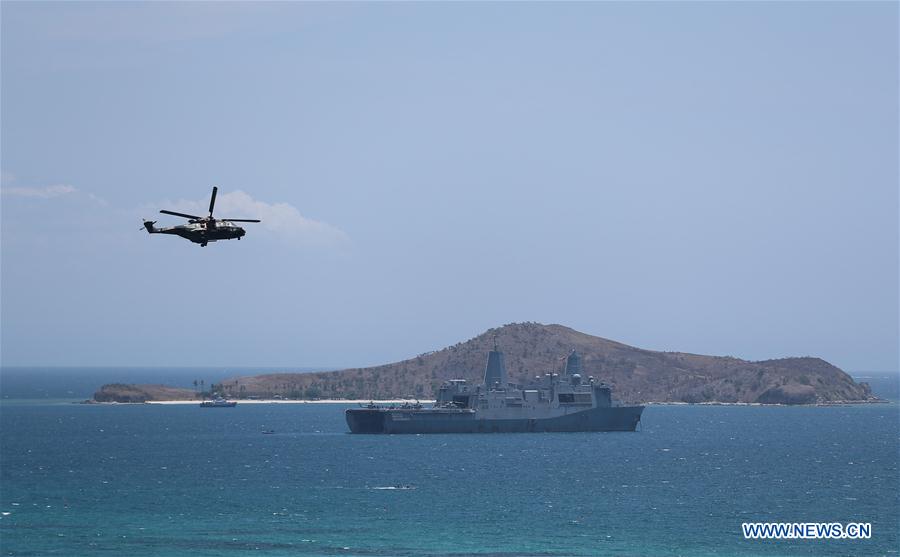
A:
{"x": 531, "y": 349}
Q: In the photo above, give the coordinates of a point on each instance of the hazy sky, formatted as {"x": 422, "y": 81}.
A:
{"x": 717, "y": 178}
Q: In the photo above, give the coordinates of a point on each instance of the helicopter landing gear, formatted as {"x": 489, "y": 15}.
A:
{"x": 203, "y": 245}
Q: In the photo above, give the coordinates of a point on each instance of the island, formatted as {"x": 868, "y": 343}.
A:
{"x": 121, "y": 392}
{"x": 638, "y": 376}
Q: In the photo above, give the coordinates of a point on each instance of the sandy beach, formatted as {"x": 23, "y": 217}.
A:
{"x": 279, "y": 401}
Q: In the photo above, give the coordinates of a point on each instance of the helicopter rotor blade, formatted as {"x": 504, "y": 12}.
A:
{"x": 242, "y": 220}
{"x": 163, "y": 211}
{"x": 212, "y": 200}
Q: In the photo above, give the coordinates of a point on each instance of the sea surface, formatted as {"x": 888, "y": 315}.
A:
{"x": 183, "y": 480}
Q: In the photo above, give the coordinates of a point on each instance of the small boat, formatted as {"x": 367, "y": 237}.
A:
{"x": 218, "y": 402}
{"x": 269, "y": 432}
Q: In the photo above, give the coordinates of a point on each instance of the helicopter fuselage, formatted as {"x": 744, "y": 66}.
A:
{"x": 200, "y": 232}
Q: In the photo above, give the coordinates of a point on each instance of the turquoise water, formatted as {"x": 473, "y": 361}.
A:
{"x": 181, "y": 480}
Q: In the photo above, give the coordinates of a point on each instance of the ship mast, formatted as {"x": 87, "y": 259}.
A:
{"x": 495, "y": 370}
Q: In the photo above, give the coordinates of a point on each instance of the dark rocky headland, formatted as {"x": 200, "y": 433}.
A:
{"x": 637, "y": 375}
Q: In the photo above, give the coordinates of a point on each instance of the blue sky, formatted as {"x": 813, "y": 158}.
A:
{"x": 716, "y": 178}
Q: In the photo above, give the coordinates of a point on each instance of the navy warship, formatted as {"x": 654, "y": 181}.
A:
{"x": 552, "y": 402}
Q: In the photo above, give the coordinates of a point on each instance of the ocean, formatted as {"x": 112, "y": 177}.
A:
{"x": 183, "y": 480}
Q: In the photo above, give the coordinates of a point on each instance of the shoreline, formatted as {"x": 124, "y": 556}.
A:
{"x": 414, "y": 401}
{"x": 828, "y": 403}
{"x": 273, "y": 401}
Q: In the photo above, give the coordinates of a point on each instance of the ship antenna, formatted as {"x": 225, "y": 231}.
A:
{"x": 495, "y": 343}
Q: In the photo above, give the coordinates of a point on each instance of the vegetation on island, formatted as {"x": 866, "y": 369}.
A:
{"x": 121, "y": 392}
{"x": 531, "y": 349}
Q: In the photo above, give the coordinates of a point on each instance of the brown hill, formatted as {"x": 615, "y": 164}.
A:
{"x": 637, "y": 375}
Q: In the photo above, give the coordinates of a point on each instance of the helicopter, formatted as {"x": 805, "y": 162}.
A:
{"x": 201, "y": 230}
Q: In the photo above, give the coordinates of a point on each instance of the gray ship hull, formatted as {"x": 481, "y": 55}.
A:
{"x": 403, "y": 420}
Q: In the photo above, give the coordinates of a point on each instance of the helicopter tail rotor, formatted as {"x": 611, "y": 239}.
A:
{"x": 148, "y": 224}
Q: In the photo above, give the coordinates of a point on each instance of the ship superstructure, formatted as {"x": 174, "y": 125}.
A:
{"x": 551, "y": 402}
